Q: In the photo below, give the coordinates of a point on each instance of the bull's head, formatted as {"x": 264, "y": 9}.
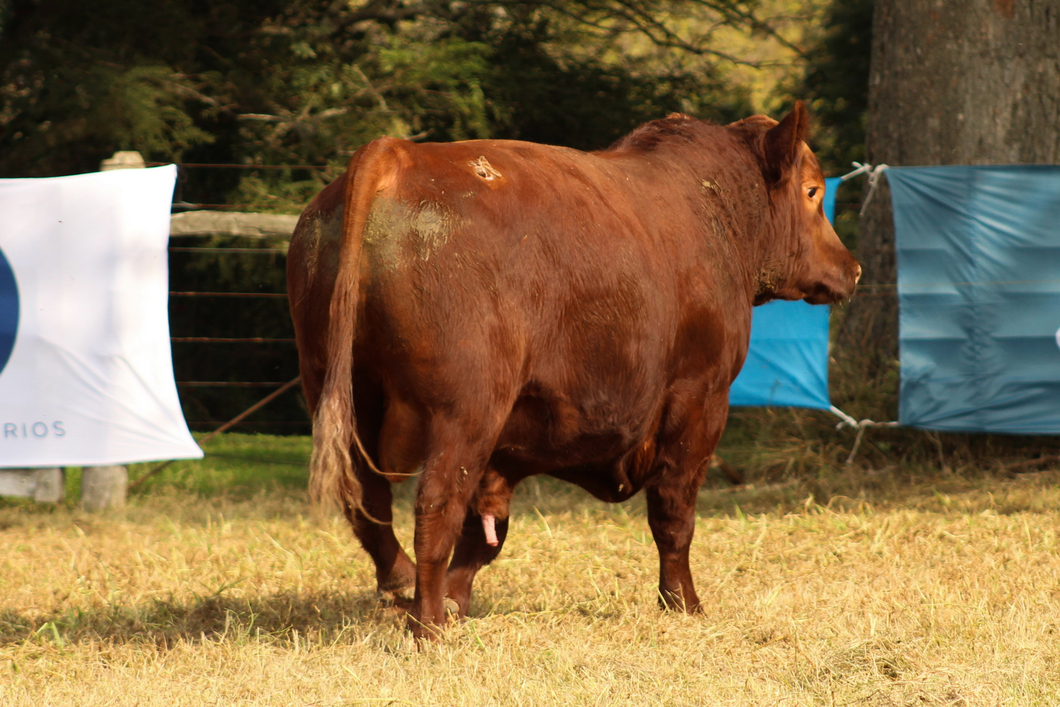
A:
{"x": 807, "y": 259}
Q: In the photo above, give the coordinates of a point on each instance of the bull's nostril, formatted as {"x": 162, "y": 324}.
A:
{"x": 857, "y": 275}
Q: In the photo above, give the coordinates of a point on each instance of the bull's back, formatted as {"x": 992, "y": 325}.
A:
{"x": 535, "y": 224}
{"x": 519, "y": 241}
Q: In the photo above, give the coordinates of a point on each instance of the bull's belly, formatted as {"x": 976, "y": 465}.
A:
{"x": 609, "y": 455}
{"x": 607, "y": 478}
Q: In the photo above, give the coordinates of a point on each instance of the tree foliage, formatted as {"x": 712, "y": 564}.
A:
{"x": 307, "y": 81}
{"x": 835, "y": 83}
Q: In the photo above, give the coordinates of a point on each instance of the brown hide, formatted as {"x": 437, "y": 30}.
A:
{"x": 477, "y": 312}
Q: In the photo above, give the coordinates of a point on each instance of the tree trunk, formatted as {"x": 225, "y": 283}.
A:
{"x": 951, "y": 82}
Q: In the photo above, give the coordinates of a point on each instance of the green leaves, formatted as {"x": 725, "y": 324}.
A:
{"x": 437, "y": 86}
{"x": 62, "y": 115}
{"x": 835, "y": 83}
{"x": 308, "y": 81}
{"x": 143, "y": 108}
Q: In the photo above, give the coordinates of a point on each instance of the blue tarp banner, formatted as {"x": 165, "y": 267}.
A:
{"x": 979, "y": 297}
{"x": 787, "y": 363}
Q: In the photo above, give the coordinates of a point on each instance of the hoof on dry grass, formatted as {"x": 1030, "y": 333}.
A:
{"x": 400, "y": 597}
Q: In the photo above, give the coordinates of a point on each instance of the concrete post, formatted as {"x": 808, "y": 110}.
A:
{"x": 42, "y": 485}
{"x": 103, "y": 488}
{"x": 50, "y": 486}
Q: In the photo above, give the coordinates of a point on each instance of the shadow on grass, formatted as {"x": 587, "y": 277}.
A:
{"x": 353, "y": 616}
{"x": 285, "y": 618}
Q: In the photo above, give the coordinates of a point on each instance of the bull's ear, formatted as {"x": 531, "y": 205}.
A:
{"x": 782, "y": 142}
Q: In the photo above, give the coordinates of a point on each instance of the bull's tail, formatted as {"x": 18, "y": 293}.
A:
{"x": 332, "y": 478}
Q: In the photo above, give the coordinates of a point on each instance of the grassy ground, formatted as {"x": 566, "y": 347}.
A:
{"x": 864, "y": 586}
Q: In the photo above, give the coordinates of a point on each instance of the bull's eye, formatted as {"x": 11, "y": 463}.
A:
{"x": 812, "y": 192}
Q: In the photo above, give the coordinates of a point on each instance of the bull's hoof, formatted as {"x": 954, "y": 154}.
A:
{"x": 452, "y": 608}
{"x": 424, "y": 631}
{"x": 673, "y": 601}
{"x": 396, "y": 596}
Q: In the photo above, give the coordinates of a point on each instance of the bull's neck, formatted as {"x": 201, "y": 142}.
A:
{"x": 736, "y": 188}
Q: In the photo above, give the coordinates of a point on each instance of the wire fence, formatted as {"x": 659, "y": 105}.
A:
{"x": 222, "y": 339}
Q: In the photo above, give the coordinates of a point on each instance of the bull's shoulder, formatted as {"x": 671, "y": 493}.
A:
{"x": 676, "y": 128}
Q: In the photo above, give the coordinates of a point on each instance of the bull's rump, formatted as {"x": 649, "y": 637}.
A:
{"x": 553, "y": 294}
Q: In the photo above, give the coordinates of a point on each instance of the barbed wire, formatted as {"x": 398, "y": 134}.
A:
{"x": 187, "y": 206}
{"x": 285, "y": 423}
{"x": 225, "y": 235}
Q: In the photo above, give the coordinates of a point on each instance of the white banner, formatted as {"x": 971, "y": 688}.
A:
{"x": 86, "y": 368}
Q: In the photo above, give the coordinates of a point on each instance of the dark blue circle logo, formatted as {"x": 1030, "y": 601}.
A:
{"x": 8, "y": 310}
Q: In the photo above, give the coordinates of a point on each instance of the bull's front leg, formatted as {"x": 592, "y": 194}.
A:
{"x": 672, "y": 518}
{"x": 672, "y": 497}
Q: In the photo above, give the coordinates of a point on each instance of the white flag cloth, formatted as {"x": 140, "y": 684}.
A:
{"x": 86, "y": 368}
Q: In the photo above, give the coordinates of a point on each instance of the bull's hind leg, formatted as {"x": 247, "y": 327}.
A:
{"x": 395, "y": 573}
{"x": 457, "y": 456}
{"x": 672, "y": 501}
{"x": 481, "y": 540}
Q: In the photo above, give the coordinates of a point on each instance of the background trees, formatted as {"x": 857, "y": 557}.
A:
{"x": 306, "y": 81}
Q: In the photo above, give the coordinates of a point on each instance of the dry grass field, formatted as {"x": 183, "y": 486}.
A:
{"x": 938, "y": 591}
